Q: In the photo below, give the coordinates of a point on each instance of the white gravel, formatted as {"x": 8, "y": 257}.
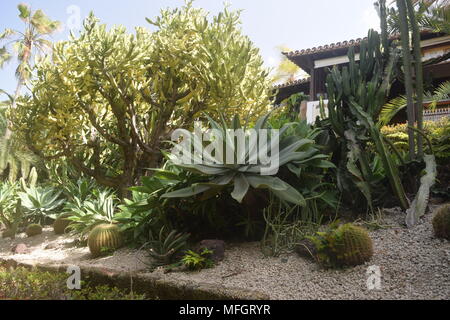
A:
{"x": 413, "y": 265}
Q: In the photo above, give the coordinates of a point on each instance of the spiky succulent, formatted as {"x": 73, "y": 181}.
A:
{"x": 344, "y": 246}
{"x": 33, "y": 230}
{"x": 241, "y": 163}
{"x": 104, "y": 238}
{"x": 164, "y": 248}
{"x": 441, "y": 222}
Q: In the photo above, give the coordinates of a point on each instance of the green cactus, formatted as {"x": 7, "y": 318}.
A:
{"x": 441, "y": 222}
{"x": 345, "y": 246}
{"x": 33, "y": 230}
{"x": 104, "y": 238}
{"x": 9, "y": 233}
{"x": 61, "y": 223}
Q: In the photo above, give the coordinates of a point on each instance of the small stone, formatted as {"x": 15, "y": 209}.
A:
{"x": 51, "y": 246}
{"x": 20, "y": 248}
{"x": 216, "y": 246}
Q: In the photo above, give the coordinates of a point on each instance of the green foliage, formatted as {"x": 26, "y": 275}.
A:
{"x": 107, "y": 99}
{"x": 344, "y": 246}
{"x": 437, "y": 131}
{"x": 24, "y": 284}
{"x": 164, "y": 248}
{"x": 285, "y": 228}
{"x": 99, "y": 207}
{"x": 104, "y": 238}
{"x": 441, "y": 222}
{"x": 29, "y": 41}
{"x": 40, "y": 203}
{"x": 432, "y": 16}
{"x": 397, "y": 104}
{"x": 11, "y": 214}
{"x": 356, "y": 95}
{"x": 295, "y": 152}
{"x": 33, "y": 230}
{"x": 197, "y": 261}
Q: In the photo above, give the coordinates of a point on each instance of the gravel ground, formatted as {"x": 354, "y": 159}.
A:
{"x": 413, "y": 265}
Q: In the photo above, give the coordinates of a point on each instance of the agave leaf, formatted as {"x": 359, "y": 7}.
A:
{"x": 187, "y": 192}
{"x": 241, "y": 186}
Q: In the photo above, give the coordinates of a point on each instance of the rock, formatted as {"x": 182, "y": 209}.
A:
{"x": 20, "y": 248}
{"x": 306, "y": 249}
{"x": 217, "y": 246}
{"x": 51, "y": 246}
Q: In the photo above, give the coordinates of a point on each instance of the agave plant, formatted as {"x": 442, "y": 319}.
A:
{"x": 164, "y": 247}
{"x": 247, "y": 170}
{"x": 40, "y": 203}
{"x": 85, "y": 215}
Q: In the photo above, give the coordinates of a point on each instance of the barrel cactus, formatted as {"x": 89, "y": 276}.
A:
{"x": 441, "y": 222}
{"x": 344, "y": 246}
{"x": 103, "y": 238}
{"x": 9, "y": 233}
{"x": 61, "y": 223}
{"x": 33, "y": 230}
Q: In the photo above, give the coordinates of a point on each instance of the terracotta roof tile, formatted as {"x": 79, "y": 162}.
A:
{"x": 324, "y": 48}
{"x": 292, "y": 83}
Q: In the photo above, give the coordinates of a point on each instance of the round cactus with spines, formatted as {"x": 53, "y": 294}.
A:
{"x": 345, "y": 246}
{"x": 104, "y": 238}
{"x": 441, "y": 222}
{"x": 61, "y": 223}
{"x": 33, "y": 230}
{"x": 9, "y": 233}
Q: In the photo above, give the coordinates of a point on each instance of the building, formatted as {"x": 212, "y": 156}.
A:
{"x": 319, "y": 60}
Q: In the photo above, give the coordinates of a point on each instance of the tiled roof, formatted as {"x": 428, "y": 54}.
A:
{"x": 292, "y": 83}
{"x": 347, "y": 44}
{"x": 325, "y": 48}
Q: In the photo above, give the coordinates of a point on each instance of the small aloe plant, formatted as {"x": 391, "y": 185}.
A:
{"x": 165, "y": 247}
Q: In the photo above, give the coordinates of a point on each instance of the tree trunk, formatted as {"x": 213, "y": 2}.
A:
{"x": 407, "y": 69}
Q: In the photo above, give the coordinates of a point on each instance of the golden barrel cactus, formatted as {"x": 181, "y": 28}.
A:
{"x": 441, "y": 222}
{"x": 345, "y": 246}
{"x": 33, "y": 230}
{"x": 104, "y": 238}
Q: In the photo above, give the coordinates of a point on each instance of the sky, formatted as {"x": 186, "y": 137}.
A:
{"x": 296, "y": 24}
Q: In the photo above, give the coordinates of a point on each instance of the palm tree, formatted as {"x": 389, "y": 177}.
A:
{"x": 432, "y": 15}
{"x": 31, "y": 41}
{"x": 26, "y": 44}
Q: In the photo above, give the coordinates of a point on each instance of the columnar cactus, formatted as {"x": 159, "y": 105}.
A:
{"x": 104, "y": 237}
